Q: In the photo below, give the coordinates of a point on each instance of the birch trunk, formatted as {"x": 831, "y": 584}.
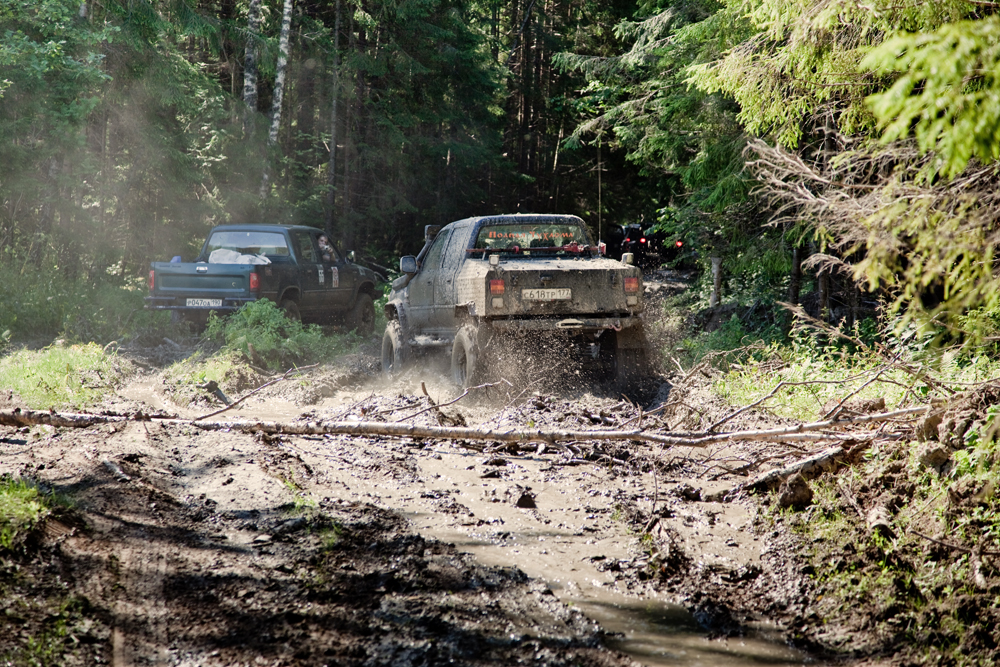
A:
{"x": 279, "y": 92}
{"x": 250, "y": 65}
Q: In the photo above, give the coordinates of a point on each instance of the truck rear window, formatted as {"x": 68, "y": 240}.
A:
{"x": 525, "y": 237}
{"x": 269, "y": 244}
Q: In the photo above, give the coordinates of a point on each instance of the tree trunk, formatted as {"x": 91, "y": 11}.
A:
{"x": 250, "y": 66}
{"x": 853, "y": 302}
{"x": 823, "y": 282}
{"x": 716, "y": 297}
{"x": 331, "y": 174}
{"x": 279, "y": 92}
{"x": 794, "y": 285}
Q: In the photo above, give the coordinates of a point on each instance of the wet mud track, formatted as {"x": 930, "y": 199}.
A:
{"x": 193, "y": 548}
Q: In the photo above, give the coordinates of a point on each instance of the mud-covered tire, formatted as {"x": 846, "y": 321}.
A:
{"x": 631, "y": 359}
{"x": 362, "y": 316}
{"x": 291, "y": 310}
{"x": 466, "y": 360}
{"x": 395, "y": 350}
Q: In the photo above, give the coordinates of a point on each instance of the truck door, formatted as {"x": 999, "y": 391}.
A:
{"x": 420, "y": 291}
{"x": 340, "y": 278}
{"x": 312, "y": 274}
{"x": 444, "y": 287}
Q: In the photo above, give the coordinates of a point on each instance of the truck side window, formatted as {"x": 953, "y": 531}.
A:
{"x": 432, "y": 262}
{"x": 305, "y": 247}
{"x": 454, "y": 254}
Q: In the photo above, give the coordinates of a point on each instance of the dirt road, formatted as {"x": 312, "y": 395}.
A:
{"x": 187, "y": 547}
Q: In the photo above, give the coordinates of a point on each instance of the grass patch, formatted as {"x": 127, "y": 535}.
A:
{"x": 819, "y": 376}
{"x": 62, "y": 375}
{"x": 261, "y": 332}
{"x": 22, "y": 507}
{"x": 330, "y": 536}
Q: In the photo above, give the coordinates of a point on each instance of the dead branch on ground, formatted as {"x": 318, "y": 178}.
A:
{"x": 260, "y": 388}
{"x": 817, "y": 431}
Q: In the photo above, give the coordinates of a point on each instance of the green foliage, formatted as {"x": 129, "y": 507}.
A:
{"x": 935, "y": 253}
{"x": 260, "y": 331}
{"x": 818, "y": 371}
{"x": 641, "y": 100}
{"x": 47, "y": 303}
{"x": 330, "y": 537}
{"x": 945, "y": 93}
{"x": 730, "y": 336}
{"x": 793, "y": 66}
{"x": 22, "y": 507}
{"x": 899, "y": 570}
{"x": 63, "y": 375}
{"x": 49, "y": 647}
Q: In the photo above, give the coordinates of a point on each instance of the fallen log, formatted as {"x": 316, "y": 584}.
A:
{"x": 809, "y": 467}
{"x": 801, "y": 432}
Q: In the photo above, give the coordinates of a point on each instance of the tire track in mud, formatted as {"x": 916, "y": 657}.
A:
{"x": 140, "y": 633}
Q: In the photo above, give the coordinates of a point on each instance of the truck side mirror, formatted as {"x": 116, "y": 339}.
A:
{"x": 408, "y": 264}
{"x": 351, "y": 256}
{"x": 628, "y": 258}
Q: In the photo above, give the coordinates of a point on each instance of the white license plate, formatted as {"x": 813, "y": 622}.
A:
{"x": 555, "y": 294}
{"x": 204, "y": 303}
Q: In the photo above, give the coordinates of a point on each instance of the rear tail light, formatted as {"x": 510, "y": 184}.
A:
{"x": 680, "y": 244}
{"x": 496, "y": 287}
{"x": 642, "y": 240}
{"x": 254, "y": 282}
{"x": 631, "y": 285}
{"x": 152, "y": 279}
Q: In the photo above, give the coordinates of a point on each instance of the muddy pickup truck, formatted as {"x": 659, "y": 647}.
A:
{"x": 485, "y": 286}
{"x": 283, "y": 263}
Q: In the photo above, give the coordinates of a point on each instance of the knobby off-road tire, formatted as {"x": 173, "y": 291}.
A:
{"x": 291, "y": 310}
{"x": 631, "y": 359}
{"x": 395, "y": 350}
{"x": 362, "y": 317}
{"x": 467, "y": 368}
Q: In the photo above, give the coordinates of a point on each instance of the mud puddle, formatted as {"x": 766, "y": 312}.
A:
{"x": 563, "y": 540}
{"x": 564, "y": 523}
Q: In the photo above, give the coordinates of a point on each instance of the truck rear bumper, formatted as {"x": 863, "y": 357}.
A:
{"x": 229, "y": 304}
{"x": 569, "y": 324}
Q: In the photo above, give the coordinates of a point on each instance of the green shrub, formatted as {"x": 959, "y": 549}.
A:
{"x": 261, "y": 331}
{"x": 22, "y": 507}
{"x": 48, "y": 304}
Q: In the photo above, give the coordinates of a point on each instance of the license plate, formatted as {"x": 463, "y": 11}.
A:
{"x": 554, "y": 294}
{"x": 204, "y": 303}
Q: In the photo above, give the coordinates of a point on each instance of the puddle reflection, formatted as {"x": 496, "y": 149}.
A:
{"x": 658, "y": 634}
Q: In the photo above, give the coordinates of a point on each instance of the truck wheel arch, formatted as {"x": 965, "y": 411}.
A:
{"x": 465, "y": 313}
{"x": 368, "y": 288}
{"x": 290, "y": 294}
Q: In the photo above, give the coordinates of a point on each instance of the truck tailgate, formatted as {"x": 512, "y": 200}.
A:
{"x": 567, "y": 290}
{"x": 206, "y": 280}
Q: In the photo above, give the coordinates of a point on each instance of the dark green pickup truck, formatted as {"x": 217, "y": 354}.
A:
{"x": 282, "y": 263}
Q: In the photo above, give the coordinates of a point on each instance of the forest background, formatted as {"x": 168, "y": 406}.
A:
{"x": 860, "y": 135}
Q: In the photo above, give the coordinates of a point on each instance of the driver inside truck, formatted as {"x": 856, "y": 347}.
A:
{"x": 325, "y": 249}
